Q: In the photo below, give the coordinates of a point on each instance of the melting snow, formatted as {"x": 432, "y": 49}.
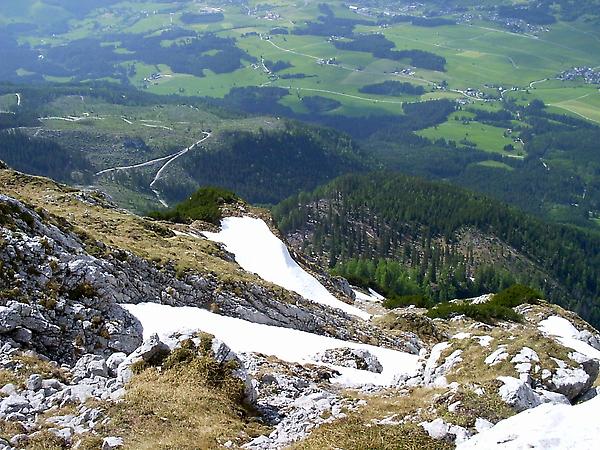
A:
{"x": 287, "y": 344}
{"x": 258, "y": 250}
{"x": 567, "y": 335}
{"x": 371, "y": 297}
{"x": 547, "y": 427}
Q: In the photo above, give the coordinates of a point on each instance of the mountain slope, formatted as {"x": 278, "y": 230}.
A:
{"x": 409, "y": 236}
{"x": 117, "y": 330}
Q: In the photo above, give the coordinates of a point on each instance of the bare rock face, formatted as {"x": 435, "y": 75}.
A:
{"x": 51, "y": 303}
{"x": 574, "y": 382}
{"x": 518, "y": 394}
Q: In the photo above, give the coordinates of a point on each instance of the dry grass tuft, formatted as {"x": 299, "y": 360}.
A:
{"x": 358, "y": 431}
{"x": 191, "y": 402}
{"x": 29, "y": 365}
{"x": 352, "y": 433}
{"x": 45, "y": 440}
{"x": 488, "y": 406}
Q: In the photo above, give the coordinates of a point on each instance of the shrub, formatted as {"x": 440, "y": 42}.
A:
{"x": 205, "y": 204}
{"x": 516, "y": 295}
{"x": 484, "y": 312}
{"x": 500, "y": 307}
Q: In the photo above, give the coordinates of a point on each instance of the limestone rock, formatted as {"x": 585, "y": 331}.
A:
{"x": 89, "y": 366}
{"x": 350, "y": 357}
{"x": 439, "y": 429}
{"x": 14, "y": 403}
{"x": 518, "y": 394}
{"x": 34, "y": 382}
{"x": 113, "y": 362}
{"x": 553, "y": 398}
{"x": 112, "y": 442}
{"x": 151, "y": 350}
{"x": 573, "y": 381}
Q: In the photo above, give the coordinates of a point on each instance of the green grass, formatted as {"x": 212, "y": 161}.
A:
{"x": 477, "y": 55}
{"x": 495, "y": 165}
{"x": 486, "y": 137}
{"x": 7, "y": 102}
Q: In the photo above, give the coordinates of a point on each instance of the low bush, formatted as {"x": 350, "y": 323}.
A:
{"x": 205, "y": 204}
{"x": 517, "y": 295}
{"x": 484, "y": 312}
{"x": 500, "y": 307}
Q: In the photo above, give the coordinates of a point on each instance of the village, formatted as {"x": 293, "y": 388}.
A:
{"x": 588, "y": 74}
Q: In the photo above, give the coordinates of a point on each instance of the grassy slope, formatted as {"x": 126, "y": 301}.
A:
{"x": 119, "y": 229}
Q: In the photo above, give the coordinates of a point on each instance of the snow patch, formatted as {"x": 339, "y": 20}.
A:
{"x": 567, "y": 335}
{"x": 258, "y": 250}
{"x": 285, "y": 343}
{"x": 371, "y": 297}
{"x": 547, "y": 427}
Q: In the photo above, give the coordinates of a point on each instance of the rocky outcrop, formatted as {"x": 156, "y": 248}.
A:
{"x": 518, "y": 394}
{"x": 51, "y": 282}
{"x": 294, "y": 399}
{"x": 572, "y": 382}
{"x": 46, "y": 303}
{"x": 350, "y": 357}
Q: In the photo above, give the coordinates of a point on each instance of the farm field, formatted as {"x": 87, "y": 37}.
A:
{"x": 471, "y": 133}
{"x": 480, "y": 56}
{"x": 406, "y": 85}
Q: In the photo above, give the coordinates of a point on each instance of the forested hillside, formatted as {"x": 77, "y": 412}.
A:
{"x": 555, "y": 177}
{"x": 407, "y": 236}
{"x": 268, "y": 166}
{"x": 43, "y": 157}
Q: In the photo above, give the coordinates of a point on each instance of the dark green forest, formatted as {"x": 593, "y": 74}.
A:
{"x": 402, "y": 234}
{"x": 43, "y": 157}
{"x": 268, "y": 166}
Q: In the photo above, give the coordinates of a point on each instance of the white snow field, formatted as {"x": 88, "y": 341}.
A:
{"x": 372, "y": 296}
{"x": 567, "y": 335}
{"x": 286, "y": 344}
{"x": 258, "y": 250}
{"x": 547, "y": 427}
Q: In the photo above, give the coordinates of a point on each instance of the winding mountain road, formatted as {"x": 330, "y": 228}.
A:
{"x": 169, "y": 160}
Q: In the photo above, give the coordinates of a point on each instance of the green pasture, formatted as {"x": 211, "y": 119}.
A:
{"x": 495, "y": 165}
{"x": 479, "y": 55}
{"x": 486, "y": 137}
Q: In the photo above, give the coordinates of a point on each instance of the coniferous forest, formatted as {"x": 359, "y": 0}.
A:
{"x": 406, "y": 236}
